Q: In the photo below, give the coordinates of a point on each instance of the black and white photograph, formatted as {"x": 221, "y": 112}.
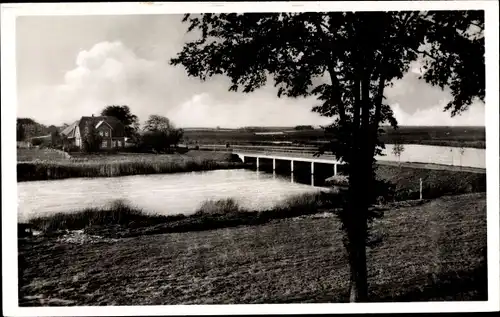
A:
{"x": 172, "y": 156}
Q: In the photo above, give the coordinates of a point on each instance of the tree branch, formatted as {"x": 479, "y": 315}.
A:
{"x": 424, "y": 53}
{"x": 479, "y": 26}
{"x": 336, "y": 97}
{"x": 378, "y": 108}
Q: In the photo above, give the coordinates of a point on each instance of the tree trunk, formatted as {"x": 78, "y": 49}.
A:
{"x": 357, "y": 262}
{"x": 358, "y": 275}
{"x": 356, "y": 226}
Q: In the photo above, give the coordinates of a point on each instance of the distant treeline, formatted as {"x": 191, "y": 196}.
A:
{"x": 27, "y": 128}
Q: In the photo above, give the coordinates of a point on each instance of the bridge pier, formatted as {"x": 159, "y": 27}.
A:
{"x": 312, "y": 161}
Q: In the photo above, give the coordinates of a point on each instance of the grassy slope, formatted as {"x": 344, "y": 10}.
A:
{"x": 435, "y": 183}
{"x": 429, "y": 252}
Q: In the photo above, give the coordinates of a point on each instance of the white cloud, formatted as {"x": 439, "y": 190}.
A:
{"x": 111, "y": 73}
{"x": 474, "y": 116}
{"x": 250, "y": 110}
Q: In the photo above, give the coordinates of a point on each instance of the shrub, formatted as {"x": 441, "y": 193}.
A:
{"x": 218, "y": 207}
{"x": 37, "y": 141}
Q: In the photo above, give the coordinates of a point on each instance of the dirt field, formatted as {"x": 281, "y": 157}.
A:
{"x": 430, "y": 252}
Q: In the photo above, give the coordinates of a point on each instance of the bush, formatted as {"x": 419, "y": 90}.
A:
{"x": 37, "y": 141}
{"x": 218, "y": 207}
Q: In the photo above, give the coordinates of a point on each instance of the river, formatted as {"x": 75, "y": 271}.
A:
{"x": 445, "y": 155}
{"x": 160, "y": 193}
{"x": 185, "y": 192}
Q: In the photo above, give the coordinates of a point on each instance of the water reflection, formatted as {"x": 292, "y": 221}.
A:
{"x": 165, "y": 193}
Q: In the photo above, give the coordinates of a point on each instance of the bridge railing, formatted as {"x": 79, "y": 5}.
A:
{"x": 263, "y": 149}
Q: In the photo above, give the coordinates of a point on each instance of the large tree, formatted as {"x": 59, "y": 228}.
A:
{"x": 126, "y": 117}
{"x": 28, "y": 128}
{"x": 20, "y": 132}
{"x": 160, "y": 134}
{"x": 346, "y": 60}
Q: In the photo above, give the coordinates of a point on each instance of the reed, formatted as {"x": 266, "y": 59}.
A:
{"x": 49, "y": 170}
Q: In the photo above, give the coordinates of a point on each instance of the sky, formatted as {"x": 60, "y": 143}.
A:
{"x": 71, "y": 66}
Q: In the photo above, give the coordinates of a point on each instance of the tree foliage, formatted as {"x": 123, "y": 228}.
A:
{"x": 55, "y": 137}
{"x": 160, "y": 134}
{"x": 91, "y": 140}
{"x": 123, "y": 113}
{"x": 397, "y": 149}
{"x": 20, "y": 132}
{"x": 27, "y": 128}
{"x": 346, "y": 60}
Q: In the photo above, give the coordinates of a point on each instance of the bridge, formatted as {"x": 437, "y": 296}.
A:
{"x": 292, "y": 157}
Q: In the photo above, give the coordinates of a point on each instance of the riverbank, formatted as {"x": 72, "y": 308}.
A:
{"x": 432, "y": 251}
{"x": 404, "y": 181}
{"x": 120, "y": 220}
{"x": 124, "y": 164}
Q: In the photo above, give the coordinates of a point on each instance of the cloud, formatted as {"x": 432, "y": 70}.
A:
{"x": 474, "y": 116}
{"x": 415, "y": 102}
{"x": 112, "y": 73}
{"x": 250, "y": 110}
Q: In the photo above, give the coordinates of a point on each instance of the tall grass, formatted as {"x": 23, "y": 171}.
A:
{"x": 117, "y": 213}
{"x": 47, "y": 170}
{"x": 122, "y": 219}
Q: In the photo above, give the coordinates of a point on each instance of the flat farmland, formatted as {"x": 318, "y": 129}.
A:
{"x": 440, "y": 136}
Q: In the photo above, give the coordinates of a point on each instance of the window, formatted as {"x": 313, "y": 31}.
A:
{"x": 101, "y": 133}
{"x": 106, "y": 133}
{"x": 104, "y": 143}
{"x": 119, "y": 143}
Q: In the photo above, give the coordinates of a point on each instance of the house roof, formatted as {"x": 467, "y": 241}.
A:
{"x": 115, "y": 124}
{"x": 102, "y": 122}
{"x": 69, "y": 131}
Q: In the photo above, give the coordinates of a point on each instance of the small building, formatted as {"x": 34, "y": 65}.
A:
{"x": 111, "y": 130}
